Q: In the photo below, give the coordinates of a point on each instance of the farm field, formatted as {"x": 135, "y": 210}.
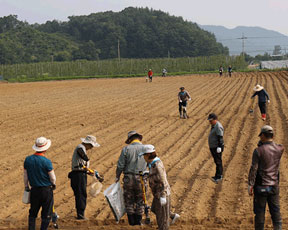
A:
{"x": 65, "y": 111}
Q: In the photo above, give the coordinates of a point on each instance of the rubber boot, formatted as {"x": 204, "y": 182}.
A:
{"x": 44, "y": 224}
{"x": 180, "y": 114}
{"x": 277, "y": 226}
{"x": 184, "y": 114}
{"x": 137, "y": 219}
{"x": 131, "y": 220}
{"x": 32, "y": 223}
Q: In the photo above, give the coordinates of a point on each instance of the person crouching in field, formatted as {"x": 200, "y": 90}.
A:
{"x": 39, "y": 173}
{"x": 160, "y": 188}
{"x": 262, "y": 96}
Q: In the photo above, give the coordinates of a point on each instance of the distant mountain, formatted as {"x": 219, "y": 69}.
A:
{"x": 259, "y": 40}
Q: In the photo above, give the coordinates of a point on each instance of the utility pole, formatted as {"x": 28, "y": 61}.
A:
{"x": 243, "y": 43}
{"x": 118, "y": 50}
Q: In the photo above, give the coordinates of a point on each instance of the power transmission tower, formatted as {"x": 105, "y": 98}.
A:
{"x": 243, "y": 43}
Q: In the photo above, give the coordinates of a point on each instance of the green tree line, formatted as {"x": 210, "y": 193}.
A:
{"x": 132, "y": 33}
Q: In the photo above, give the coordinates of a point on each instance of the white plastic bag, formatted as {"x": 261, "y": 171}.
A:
{"x": 95, "y": 188}
{"x": 115, "y": 198}
{"x": 26, "y": 197}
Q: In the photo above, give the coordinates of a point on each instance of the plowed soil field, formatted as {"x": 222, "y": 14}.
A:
{"x": 64, "y": 111}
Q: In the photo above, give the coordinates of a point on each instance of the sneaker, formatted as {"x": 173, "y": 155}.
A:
{"x": 176, "y": 217}
{"x": 216, "y": 179}
{"x": 80, "y": 217}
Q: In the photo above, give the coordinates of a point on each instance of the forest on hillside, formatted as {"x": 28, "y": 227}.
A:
{"x": 131, "y": 33}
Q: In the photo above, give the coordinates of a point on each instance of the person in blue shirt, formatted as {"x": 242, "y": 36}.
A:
{"x": 40, "y": 179}
{"x": 262, "y": 98}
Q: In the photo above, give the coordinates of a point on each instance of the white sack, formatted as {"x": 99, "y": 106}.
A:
{"x": 115, "y": 198}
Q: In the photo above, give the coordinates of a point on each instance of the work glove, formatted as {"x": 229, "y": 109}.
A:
{"x": 180, "y": 101}
{"x": 250, "y": 190}
{"x": 163, "y": 201}
{"x": 218, "y": 149}
{"x": 117, "y": 179}
{"x": 53, "y": 186}
{"x": 268, "y": 101}
{"x": 27, "y": 189}
{"x": 100, "y": 178}
{"x": 189, "y": 99}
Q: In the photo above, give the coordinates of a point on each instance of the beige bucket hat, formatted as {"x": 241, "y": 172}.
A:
{"x": 132, "y": 133}
{"x": 41, "y": 144}
{"x": 258, "y": 88}
{"x": 90, "y": 140}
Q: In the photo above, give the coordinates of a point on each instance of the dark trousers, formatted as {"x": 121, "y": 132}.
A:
{"x": 181, "y": 105}
{"x": 41, "y": 197}
{"x": 79, "y": 184}
{"x": 218, "y": 161}
{"x": 262, "y": 107}
{"x": 270, "y": 195}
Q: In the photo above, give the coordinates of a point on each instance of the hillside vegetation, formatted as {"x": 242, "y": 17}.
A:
{"x": 140, "y": 33}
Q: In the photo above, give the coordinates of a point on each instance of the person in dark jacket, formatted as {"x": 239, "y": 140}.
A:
{"x": 39, "y": 174}
{"x": 263, "y": 179}
{"x": 262, "y": 98}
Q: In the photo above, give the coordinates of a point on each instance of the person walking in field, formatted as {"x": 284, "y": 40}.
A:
{"x": 150, "y": 75}
{"x": 161, "y": 204}
{"x": 263, "y": 179}
{"x": 216, "y": 145}
{"x": 78, "y": 175}
{"x": 230, "y": 71}
{"x": 262, "y": 98}
{"x": 164, "y": 72}
{"x": 220, "y": 70}
{"x": 39, "y": 174}
{"x": 183, "y": 96}
{"x": 132, "y": 166}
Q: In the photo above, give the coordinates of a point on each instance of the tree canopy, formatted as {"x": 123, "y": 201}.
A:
{"x": 139, "y": 33}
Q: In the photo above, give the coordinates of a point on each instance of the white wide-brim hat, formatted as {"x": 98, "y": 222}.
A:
{"x": 90, "y": 140}
{"x": 258, "y": 88}
{"x": 147, "y": 149}
{"x": 41, "y": 144}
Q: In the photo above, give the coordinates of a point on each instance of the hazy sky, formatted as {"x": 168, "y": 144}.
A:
{"x": 269, "y": 14}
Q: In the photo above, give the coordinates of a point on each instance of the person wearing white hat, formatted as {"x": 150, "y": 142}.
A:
{"x": 39, "y": 174}
{"x": 78, "y": 175}
{"x": 131, "y": 166}
{"x": 262, "y": 98}
{"x": 160, "y": 189}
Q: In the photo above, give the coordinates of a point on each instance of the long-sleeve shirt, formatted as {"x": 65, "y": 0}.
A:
{"x": 262, "y": 95}
{"x": 265, "y": 165}
{"x": 158, "y": 180}
{"x": 130, "y": 161}
{"x": 183, "y": 96}
{"x": 215, "y": 138}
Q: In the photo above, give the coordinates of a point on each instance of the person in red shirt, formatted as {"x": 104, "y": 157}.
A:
{"x": 150, "y": 75}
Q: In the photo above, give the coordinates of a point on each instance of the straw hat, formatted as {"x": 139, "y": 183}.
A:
{"x": 90, "y": 140}
{"x": 258, "y": 88}
{"x": 41, "y": 144}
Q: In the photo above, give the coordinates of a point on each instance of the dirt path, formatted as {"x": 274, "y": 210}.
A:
{"x": 64, "y": 111}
